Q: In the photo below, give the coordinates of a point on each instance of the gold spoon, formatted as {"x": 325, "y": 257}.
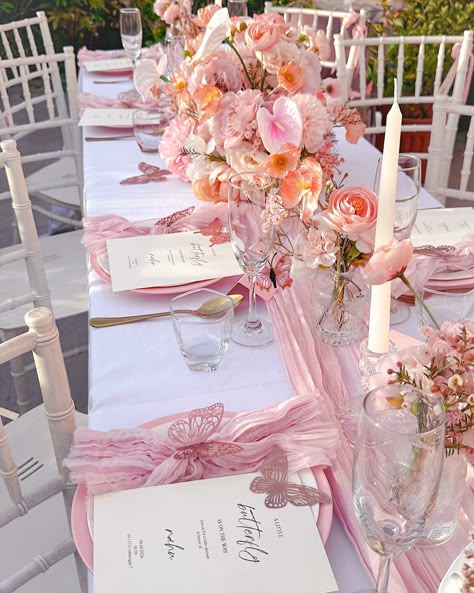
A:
{"x": 210, "y": 308}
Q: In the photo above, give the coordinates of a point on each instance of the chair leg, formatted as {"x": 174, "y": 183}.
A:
{"x": 19, "y": 377}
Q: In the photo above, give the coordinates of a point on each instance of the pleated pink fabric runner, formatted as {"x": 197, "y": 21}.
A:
{"x": 333, "y": 374}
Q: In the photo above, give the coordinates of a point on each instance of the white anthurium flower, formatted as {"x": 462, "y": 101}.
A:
{"x": 147, "y": 74}
{"x": 198, "y": 149}
{"x": 216, "y": 32}
{"x": 299, "y": 269}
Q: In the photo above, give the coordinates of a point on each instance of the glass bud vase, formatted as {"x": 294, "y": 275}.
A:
{"x": 442, "y": 521}
{"x": 174, "y": 48}
{"x": 342, "y": 299}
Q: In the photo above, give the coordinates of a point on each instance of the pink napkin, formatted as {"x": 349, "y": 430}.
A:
{"x": 87, "y": 55}
{"x": 126, "y": 100}
{"x": 131, "y": 458}
{"x": 315, "y": 367}
{"x": 422, "y": 267}
{"x": 98, "y": 229}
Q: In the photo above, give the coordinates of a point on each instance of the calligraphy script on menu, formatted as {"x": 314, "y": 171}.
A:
{"x": 168, "y": 260}
{"x": 198, "y": 535}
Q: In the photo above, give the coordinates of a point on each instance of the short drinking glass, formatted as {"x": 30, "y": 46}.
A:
{"x": 150, "y": 124}
{"x": 202, "y": 340}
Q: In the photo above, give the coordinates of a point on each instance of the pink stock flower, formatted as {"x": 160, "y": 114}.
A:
{"x": 353, "y": 211}
{"x": 283, "y": 126}
{"x": 262, "y": 36}
{"x": 171, "y": 148}
{"x": 221, "y": 70}
{"x": 316, "y": 121}
{"x": 388, "y": 262}
{"x": 317, "y": 247}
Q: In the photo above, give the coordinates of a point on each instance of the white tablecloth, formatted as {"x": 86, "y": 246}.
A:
{"x": 135, "y": 371}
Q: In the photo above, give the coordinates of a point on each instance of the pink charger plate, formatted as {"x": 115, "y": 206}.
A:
{"x": 80, "y": 526}
{"x": 99, "y": 270}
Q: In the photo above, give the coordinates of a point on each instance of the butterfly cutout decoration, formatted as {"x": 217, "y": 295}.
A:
{"x": 168, "y": 221}
{"x": 279, "y": 491}
{"x": 192, "y": 434}
{"x": 149, "y": 173}
{"x": 277, "y": 275}
{"x": 215, "y": 230}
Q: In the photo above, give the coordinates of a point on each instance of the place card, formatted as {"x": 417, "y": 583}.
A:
{"x": 108, "y": 65}
{"x": 442, "y": 226}
{"x": 206, "y": 536}
{"x": 111, "y": 118}
{"x": 168, "y": 260}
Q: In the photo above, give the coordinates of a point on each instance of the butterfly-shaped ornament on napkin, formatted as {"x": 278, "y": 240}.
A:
{"x": 215, "y": 230}
{"x": 274, "y": 483}
{"x": 149, "y": 173}
{"x": 193, "y": 432}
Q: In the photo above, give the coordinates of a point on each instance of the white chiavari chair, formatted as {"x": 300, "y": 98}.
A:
{"x": 350, "y": 51}
{"x": 36, "y": 495}
{"x": 50, "y": 272}
{"x": 330, "y": 21}
{"x": 440, "y": 180}
{"x": 32, "y": 92}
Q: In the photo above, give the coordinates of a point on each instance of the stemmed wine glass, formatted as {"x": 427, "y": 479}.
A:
{"x": 407, "y": 196}
{"x": 397, "y": 467}
{"x": 251, "y": 236}
{"x": 131, "y": 32}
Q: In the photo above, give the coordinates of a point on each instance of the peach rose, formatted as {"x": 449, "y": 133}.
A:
{"x": 388, "y": 262}
{"x": 209, "y": 190}
{"x": 262, "y": 36}
{"x": 352, "y": 211}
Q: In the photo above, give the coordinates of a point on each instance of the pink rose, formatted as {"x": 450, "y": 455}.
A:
{"x": 352, "y": 211}
{"x": 388, "y": 262}
{"x": 273, "y": 18}
{"x": 172, "y": 14}
{"x": 262, "y": 36}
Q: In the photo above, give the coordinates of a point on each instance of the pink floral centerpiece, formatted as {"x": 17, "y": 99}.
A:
{"x": 250, "y": 98}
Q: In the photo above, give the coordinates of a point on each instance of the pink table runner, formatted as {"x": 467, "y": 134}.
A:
{"x": 333, "y": 372}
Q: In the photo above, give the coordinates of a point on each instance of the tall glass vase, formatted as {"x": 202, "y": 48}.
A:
{"x": 442, "y": 521}
{"x": 342, "y": 298}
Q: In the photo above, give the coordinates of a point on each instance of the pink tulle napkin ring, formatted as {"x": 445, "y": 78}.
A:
{"x": 289, "y": 436}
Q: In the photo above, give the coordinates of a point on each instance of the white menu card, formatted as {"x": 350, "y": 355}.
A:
{"x": 168, "y": 260}
{"x": 442, "y": 226}
{"x": 111, "y": 118}
{"x": 206, "y": 536}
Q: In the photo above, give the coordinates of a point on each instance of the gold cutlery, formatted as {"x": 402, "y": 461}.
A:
{"x": 210, "y": 308}
{"x": 112, "y": 81}
{"x": 108, "y": 138}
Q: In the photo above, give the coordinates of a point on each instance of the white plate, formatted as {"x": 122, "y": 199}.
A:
{"x": 452, "y": 581}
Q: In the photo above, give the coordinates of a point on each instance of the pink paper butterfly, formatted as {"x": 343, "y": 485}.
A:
{"x": 192, "y": 434}
{"x": 279, "y": 491}
{"x": 175, "y": 217}
{"x": 149, "y": 173}
{"x": 215, "y": 230}
{"x": 276, "y": 275}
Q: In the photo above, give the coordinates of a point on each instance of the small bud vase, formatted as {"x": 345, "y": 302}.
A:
{"x": 342, "y": 299}
{"x": 442, "y": 521}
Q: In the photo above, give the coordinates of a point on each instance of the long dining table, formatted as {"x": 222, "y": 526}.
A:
{"x": 136, "y": 372}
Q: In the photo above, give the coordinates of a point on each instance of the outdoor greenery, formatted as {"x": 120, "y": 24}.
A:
{"x": 419, "y": 17}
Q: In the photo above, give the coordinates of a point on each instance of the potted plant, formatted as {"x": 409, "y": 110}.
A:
{"x": 416, "y": 18}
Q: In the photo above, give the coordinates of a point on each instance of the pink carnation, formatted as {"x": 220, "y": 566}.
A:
{"x": 316, "y": 121}
{"x": 221, "y": 70}
{"x": 235, "y": 120}
{"x": 172, "y": 144}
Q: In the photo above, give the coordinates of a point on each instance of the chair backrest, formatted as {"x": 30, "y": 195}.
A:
{"x": 352, "y": 51}
{"x": 29, "y": 249}
{"x": 441, "y": 181}
{"x": 42, "y": 339}
{"x": 32, "y": 99}
{"x": 331, "y": 21}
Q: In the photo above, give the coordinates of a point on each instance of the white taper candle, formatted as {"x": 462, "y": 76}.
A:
{"x": 379, "y": 320}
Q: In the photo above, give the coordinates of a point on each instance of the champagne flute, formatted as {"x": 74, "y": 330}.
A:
{"x": 407, "y": 196}
{"x": 251, "y": 236}
{"x": 131, "y": 32}
{"x": 397, "y": 467}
